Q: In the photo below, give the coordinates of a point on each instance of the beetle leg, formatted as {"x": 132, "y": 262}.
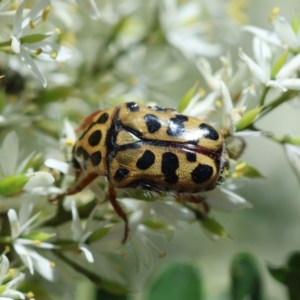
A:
{"x": 78, "y": 187}
{"x": 118, "y": 209}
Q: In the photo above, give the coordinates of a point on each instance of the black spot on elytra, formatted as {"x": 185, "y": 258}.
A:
{"x": 96, "y": 158}
{"x": 175, "y": 125}
{"x": 152, "y": 122}
{"x": 209, "y": 132}
{"x": 191, "y": 156}
{"x": 169, "y": 165}
{"x": 81, "y": 151}
{"x": 121, "y": 174}
{"x": 103, "y": 118}
{"x": 146, "y": 160}
{"x": 132, "y": 106}
{"x": 95, "y": 138}
{"x": 202, "y": 173}
{"x": 75, "y": 163}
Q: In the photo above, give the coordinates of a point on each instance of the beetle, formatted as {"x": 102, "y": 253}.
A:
{"x": 149, "y": 148}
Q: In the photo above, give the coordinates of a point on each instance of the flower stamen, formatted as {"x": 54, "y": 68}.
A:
{"x": 45, "y": 13}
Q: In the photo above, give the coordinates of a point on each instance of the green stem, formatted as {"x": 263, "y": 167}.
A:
{"x": 90, "y": 275}
{"x": 263, "y": 96}
{"x": 285, "y": 97}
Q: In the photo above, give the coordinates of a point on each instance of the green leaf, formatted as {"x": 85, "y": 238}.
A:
{"x": 38, "y": 236}
{"x": 245, "y": 278}
{"x": 114, "y": 288}
{"x": 33, "y": 38}
{"x": 251, "y": 172}
{"x": 179, "y": 281}
{"x": 289, "y": 275}
{"x": 56, "y": 93}
{"x": 2, "y": 289}
{"x": 12, "y": 184}
{"x": 244, "y": 169}
{"x": 187, "y": 98}
{"x": 214, "y": 227}
{"x": 104, "y": 295}
{"x": 248, "y": 118}
{"x": 279, "y": 63}
{"x": 97, "y": 235}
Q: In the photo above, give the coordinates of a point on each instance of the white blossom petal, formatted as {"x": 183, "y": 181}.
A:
{"x": 76, "y": 223}
{"x": 254, "y": 68}
{"x": 26, "y": 58}
{"x": 15, "y": 45}
{"x": 172, "y": 211}
{"x": 39, "y": 179}
{"x": 9, "y": 153}
{"x": 88, "y": 254}
{"x": 226, "y": 200}
{"x": 14, "y": 223}
{"x": 4, "y": 266}
{"x": 291, "y": 83}
{"x": 289, "y": 68}
{"x": 25, "y": 257}
{"x": 142, "y": 253}
{"x": 285, "y": 32}
{"x": 276, "y": 85}
{"x": 57, "y": 165}
{"x": 266, "y": 35}
{"x": 18, "y": 18}
{"x": 43, "y": 266}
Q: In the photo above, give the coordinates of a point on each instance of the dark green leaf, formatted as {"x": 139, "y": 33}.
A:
{"x": 289, "y": 275}
{"x": 245, "y": 278}
{"x": 180, "y": 281}
{"x": 104, "y": 295}
{"x": 114, "y": 288}
{"x": 97, "y": 235}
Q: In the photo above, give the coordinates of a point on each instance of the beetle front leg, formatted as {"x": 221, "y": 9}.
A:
{"x": 76, "y": 188}
{"x": 112, "y": 196}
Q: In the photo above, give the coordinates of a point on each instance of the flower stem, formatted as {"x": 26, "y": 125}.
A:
{"x": 90, "y": 275}
{"x": 263, "y": 96}
{"x": 285, "y": 97}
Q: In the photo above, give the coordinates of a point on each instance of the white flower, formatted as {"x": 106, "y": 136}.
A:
{"x": 261, "y": 69}
{"x": 10, "y": 165}
{"x": 184, "y": 31}
{"x": 283, "y": 36}
{"x": 81, "y": 234}
{"x": 225, "y": 200}
{"x": 43, "y": 49}
{"x": 22, "y": 225}
{"x": 8, "y": 289}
